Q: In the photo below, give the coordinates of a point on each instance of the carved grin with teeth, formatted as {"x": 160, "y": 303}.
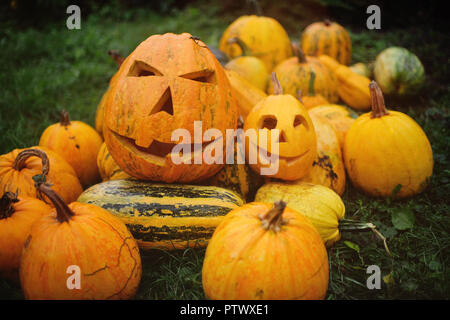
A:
{"x": 167, "y": 83}
{"x": 297, "y": 147}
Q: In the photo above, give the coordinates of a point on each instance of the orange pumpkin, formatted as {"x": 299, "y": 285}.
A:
{"x": 168, "y": 82}
{"x": 311, "y": 99}
{"x": 81, "y": 240}
{"x": 78, "y": 143}
{"x": 328, "y": 38}
{"x": 17, "y": 214}
{"x": 328, "y": 168}
{"x": 108, "y": 168}
{"x": 295, "y": 74}
{"x": 18, "y": 167}
{"x": 265, "y": 251}
{"x": 296, "y": 141}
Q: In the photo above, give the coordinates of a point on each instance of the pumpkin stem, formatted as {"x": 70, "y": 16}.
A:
{"x": 63, "y": 212}
{"x": 257, "y": 6}
{"x": 273, "y": 219}
{"x": 241, "y": 44}
{"x": 19, "y": 162}
{"x": 6, "y": 204}
{"x": 65, "y": 121}
{"x": 327, "y": 22}
{"x": 118, "y": 58}
{"x": 298, "y": 52}
{"x": 277, "y": 89}
{"x": 378, "y": 106}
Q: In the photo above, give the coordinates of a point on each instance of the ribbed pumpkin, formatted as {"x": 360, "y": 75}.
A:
{"x": 328, "y": 38}
{"x": 399, "y": 71}
{"x": 84, "y": 236}
{"x": 340, "y": 117}
{"x": 168, "y": 82}
{"x": 386, "y": 152}
{"x": 328, "y": 167}
{"x": 101, "y": 106}
{"x": 18, "y": 167}
{"x": 78, "y": 143}
{"x": 250, "y": 68}
{"x": 297, "y": 144}
{"x": 245, "y": 94}
{"x": 164, "y": 216}
{"x": 295, "y": 74}
{"x": 17, "y": 214}
{"x": 264, "y": 37}
{"x": 108, "y": 168}
{"x": 262, "y": 251}
{"x": 322, "y": 206}
{"x": 311, "y": 99}
{"x": 352, "y": 88}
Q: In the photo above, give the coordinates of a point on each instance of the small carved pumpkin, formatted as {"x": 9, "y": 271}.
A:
{"x": 264, "y": 37}
{"x": 108, "y": 168}
{"x": 266, "y": 252}
{"x": 18, "y": 167}
{"x": 250, "y": 68}
{"x": 168, "y": 82}
{"x": 85, "y": 240}
{"x": 386, "y": 152}
{"x": 297, "y": 142}
{"x": 328, "y": 38}
{"x": 295, "y": 74}
{"x": 17, "y": 214}
{"x": 78, "y": 143}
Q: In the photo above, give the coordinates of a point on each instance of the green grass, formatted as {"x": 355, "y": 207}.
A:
{"x": 52, "y": 68}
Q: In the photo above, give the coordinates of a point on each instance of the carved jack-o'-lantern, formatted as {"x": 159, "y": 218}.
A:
{"x": 296, "y": 140}
{"x": 167, "y": 83}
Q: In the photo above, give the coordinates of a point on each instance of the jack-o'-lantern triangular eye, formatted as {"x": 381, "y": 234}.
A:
{"x": 268, "y": 122}
{"x": 205, "y": 76}
{"x": 300, "y": 120}
{"x": 141, "y": 69}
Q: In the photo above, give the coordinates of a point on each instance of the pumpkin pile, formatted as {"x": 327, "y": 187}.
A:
{"x": 92, "y": 199}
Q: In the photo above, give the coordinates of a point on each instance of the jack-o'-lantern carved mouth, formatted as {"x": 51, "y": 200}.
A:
{"x": 160, "y": 152}
{"x": 266, "y": 156}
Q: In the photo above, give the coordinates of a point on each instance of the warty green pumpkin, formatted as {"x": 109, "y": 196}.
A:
{"x": 165, "y": 216}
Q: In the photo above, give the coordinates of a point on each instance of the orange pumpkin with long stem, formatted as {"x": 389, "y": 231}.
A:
{"x": 18, "y": 167}
{"x": 78, "y": 143}
{"x": 168, "y": 82}
{"x": 267, "y": 252}
{"x": 17, "y": 214}
{"x": 82, "y": 240}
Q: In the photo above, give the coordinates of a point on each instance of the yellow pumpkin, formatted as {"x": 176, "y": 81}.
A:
{"x": 296, "y": 144}
{"x": 108, "y": 168}
{"x": 339, "y": 117}
{"x": 295, "y": 74}
{"x": 386, "y": 152}
{"x": 352, "y": 88}
{"x": 328, "y": 167}
{"x": 311, "y": 99}
{"x": 264, "y": 37}
{"x": 322, "y": 206}
{"x": 250, "y": 68}
{"x": 245, "y": 94}
{"x": 262, "y": 251}
{"x": 328, "y": 38}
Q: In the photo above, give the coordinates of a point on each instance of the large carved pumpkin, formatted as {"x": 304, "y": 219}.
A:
{"x": 18, "y": 167}
{"x": 328, "y": 38}
{"x": 262, "y": 251}
{"x": 78, "y": 143}
{"x": 167, "y": 83}
{"x": 297, "y": 143}
{"x": 17, "y": 214}
{"x": 386, "y": 152}
{"x": 264, "y": 37}
{"x": 295, "y": 74}
{"x": 82, "y": 241}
